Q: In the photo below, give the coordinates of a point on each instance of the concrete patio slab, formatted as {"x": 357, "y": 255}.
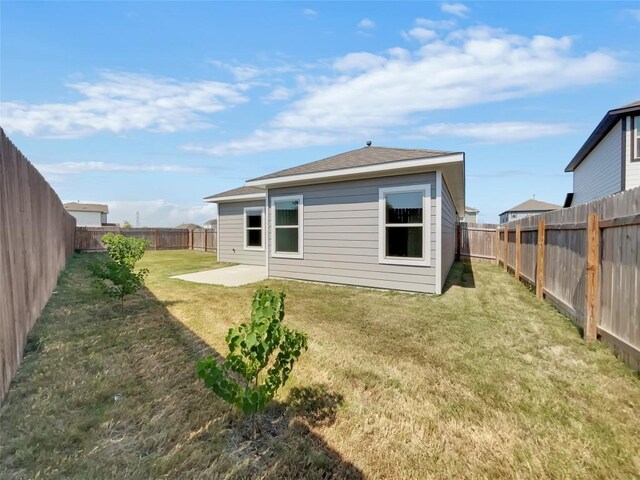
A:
{"x": 228, "y": 276}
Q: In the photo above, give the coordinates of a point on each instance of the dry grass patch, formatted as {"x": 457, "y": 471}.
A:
{"x": 482, "y": 381}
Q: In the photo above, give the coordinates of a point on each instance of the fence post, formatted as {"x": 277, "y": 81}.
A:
{"x": 517, "y": 265}
{"x": 593, "y": 265}
{"x": 540, "y": 262}
{"x": 458, "y": 241}
{"x": 190, "y": 239}
{"x": 205, "y": 240}
{"x": 506, "y": 248}
{"x": 155, "y": 237}
{"x": 496, "y": 248}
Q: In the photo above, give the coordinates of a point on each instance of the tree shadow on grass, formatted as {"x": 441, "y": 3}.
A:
{"x": 121, "y": 395}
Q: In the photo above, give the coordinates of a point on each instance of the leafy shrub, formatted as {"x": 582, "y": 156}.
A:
{"x": 117, "y": 277}
{"x": 237, "y": 379}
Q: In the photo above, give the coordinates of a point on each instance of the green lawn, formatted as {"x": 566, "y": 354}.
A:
{"x": 481, "y": 382}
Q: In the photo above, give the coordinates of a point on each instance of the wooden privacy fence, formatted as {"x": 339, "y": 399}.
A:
{"x": 36, "y": 238}
{"x": 89, "y": 239}
{"x": 585, "y": 260}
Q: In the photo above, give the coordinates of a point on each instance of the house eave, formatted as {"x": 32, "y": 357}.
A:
{"x": 609, "y": 121}
{"x": 236, "y": 198}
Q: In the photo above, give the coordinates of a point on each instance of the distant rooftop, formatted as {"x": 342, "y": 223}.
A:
{"x": 533, "y": 205}
{"x": 86, "y": 207}
{"x": 361, "y": 157}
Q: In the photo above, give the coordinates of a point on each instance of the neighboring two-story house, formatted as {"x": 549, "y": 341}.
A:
{"x": 609, "y": 161}
{"x": 88, "y": 214}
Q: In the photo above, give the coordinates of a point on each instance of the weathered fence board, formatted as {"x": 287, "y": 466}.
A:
{"x": 89, "y": 239}
{"x": 36, "y": 238}
{"x": 553, "y": 253}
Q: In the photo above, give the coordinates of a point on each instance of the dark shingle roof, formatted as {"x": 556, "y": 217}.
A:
{"x": 87, "y": 207}
{"x": 236, "y": 191}
{"x": 356, "y": 158}
{"x": 605, "y": 125}
{"x": 532, "y": 205}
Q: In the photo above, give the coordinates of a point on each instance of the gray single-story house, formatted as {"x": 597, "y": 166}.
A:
{"x": 471, "y": 215}
{"x": 526, "y": 209}
{"x": 373, "y": 217}
{"x": 88, "y": 214}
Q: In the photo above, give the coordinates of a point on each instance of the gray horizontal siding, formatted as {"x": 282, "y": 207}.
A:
{"x": 341, "y": 236}
{"x": 449, "y": 220}
{"x": 231, "y": 231}
{"x": 599, "y": 174}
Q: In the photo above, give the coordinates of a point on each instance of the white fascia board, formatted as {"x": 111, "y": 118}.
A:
{"x": 355, "y": 171}
{"x": 236, "y": 198}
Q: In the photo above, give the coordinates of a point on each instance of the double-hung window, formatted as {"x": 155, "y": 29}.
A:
{"x": 287, "y": 215}
{"x": 254, "y": 228}
{"x": 404, "y": 225}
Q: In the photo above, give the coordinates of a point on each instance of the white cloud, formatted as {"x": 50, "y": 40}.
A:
{"x": 270, "y": 140}
{"x": 242, "y": 72}
{"x": 157, "y": 213}
{"x": 420, "y": 34}
{"x": 64, "y": 168}
{"x": 468, "y": 67}
{"x": 358, "y": 62}
{"x": 366, "y": 23}
{"x": 307, "y": 12}
{"x": 120, "y": 102}
{"x": 435, "y": 24}
{"x": 457, "y": 9}
{"x": 633, "y": 13}
{"x": 498, "y": 132}
{"x": 279, "y": 94}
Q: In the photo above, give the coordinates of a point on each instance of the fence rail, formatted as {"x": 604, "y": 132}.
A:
{"x": 36, "y": 238}
{"x": 89, "y": 239}
{"x": 585, "y": 260}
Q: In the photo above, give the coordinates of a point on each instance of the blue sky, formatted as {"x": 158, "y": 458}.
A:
{"x": 151, "y": 106}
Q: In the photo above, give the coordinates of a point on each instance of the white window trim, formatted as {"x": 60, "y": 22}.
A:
{"x": 245, "y": 228}
{"x": 635, "y": 135}
{"x": 425, "y": 261}
{"x": 300, "y": 226}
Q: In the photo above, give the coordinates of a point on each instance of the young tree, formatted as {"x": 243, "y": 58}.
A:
{"x": 116, "y": 277}
{"x": 250, "y": 349}
{"x": 126, "y": 225}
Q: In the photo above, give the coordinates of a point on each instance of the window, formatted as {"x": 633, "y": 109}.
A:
{"x": 405, "y": 225}
{"x": 636, "y": 138}
{"x": 287, "y": 226}
{"x": 254, "y": 228}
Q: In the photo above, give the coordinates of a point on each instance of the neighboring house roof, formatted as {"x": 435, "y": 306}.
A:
{"x": 239, "y": 193}
{"x": 605, "y": 125}
{"x": 190, "y": 226}
{"x": 361, "y": 157}
{"x": 212, "y": 222}
{"x": 86, "y": 207}
{"x": 471, "y": 210}
{"x": 533, "y": 205}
